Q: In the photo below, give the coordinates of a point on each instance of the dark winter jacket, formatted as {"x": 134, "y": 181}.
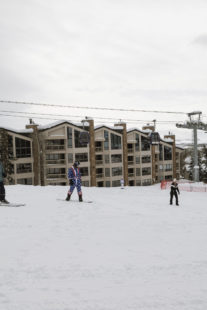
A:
{"x": 174, "y": 188}
{"x": 74, "y": 174}
{"x": 2, "y": 172}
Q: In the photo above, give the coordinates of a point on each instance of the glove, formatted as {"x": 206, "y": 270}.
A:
{"x": 71, "y": 181}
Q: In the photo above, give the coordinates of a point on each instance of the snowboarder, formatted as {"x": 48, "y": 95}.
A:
{"x": 174, "y": 191}
{"x": 74, "y": 177}
{"x": 2, "y": 189}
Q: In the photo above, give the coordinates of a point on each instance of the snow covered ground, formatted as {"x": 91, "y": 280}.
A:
{"x": 128, "y": 250}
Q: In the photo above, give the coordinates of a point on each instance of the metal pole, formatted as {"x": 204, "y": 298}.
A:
{"x": 196, "y": 167}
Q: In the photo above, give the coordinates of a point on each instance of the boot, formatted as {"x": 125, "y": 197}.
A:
{"x": 80, "y": 198}
{"x": 68, "y": 197}
{"x": 5, "y": 201}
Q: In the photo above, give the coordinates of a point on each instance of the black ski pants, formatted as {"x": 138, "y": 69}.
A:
{"x": 2, "y": 191}
{"x": 176, "y": 197}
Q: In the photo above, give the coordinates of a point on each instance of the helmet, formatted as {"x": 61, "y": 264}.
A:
{"x": 76, "y": 163}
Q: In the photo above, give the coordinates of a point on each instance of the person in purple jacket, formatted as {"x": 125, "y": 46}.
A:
{"x": 74, "y": 177}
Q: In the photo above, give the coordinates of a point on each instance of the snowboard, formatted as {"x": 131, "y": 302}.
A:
{"x": 11, "y": 204}
{"x": 86, "y": 201}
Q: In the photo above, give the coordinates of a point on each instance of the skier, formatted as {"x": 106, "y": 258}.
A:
{"x": 74, "y": 177}
{"x": 122, "y": 183}
{"x": 2, "y": 189}
{"x": 174, "y": 191}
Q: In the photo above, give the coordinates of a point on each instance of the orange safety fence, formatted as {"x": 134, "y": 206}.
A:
{"x": 188, "y": 186}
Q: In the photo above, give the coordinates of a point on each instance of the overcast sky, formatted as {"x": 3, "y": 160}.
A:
{"x": 132, "y": 54}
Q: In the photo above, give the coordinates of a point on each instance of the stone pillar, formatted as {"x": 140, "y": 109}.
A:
{"x": 92, "y": 152}
{"x": 173, "y": 153}
{"x": 36, "y": 152}
{"x": 125, "y": 152}
{"x": 152, "y": 128}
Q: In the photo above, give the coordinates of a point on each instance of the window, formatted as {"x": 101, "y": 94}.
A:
{"x": 146, "y": 171}
{"x": 137, "y": 142}
{"x": 25, "y": 181}
{"x": 84, "y": 171}
{"x": 85, "y": 183}
{"x": 131, "y": 172}
{"x": 23, "y": 148}
{"x": 137, "y": 159}
{"x": 99, "y": 160}
{"x": 56, "y": 173}
{"x": 146, "y": 182}
{"x": 70, "y": 158}
{"x": 116, "y": 158}
{"x": 81, "y": 157}
{"x": 116, "y": 171}
{"x": 116, "y": 183}
{"x": 10, "y": 147}
{"x": 77, "y": 139}
{"x": 106, "y": 159}
{"x": 107, "y": 172}
{"x": 138, "y": 183}
{"x": 130, "y": 160}
{"x": 69, "y": 137}
{"x": 57, "y": 144}
{"x": 99, "y": 173}
{"x": 106, "y": 142}
{"x": 168, "y": 167}
{"x": 137, "y": 172}
{"x": 115, "y": 142}
{"x": 161, "y": 152}
{"x": 108, "y": 183}
{"x": 146, "y": 159}
{"x": 24, "y": 168}
{"x": 98, "y": 146}
{"x": 145, "y": 143}
{"x": 167, "y": 153}
{"x": 130, "y": 148}
{"x": 55, "y": 158}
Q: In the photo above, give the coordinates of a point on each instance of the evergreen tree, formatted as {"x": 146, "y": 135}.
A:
{"x": 204, "y": 163}
{"x": 6, "y": 152}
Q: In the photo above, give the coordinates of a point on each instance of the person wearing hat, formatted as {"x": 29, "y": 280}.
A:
{"x": 74, "y": 177}
{"x": 174, "y": 191}
{"x": 2, "y": 189}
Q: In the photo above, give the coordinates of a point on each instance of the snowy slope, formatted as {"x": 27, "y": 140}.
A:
{"x": 128, "y": 250}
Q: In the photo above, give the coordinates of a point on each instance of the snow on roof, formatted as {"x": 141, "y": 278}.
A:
{"x": 19, "y": 131}
{"x": 54, "y": 124}
{"x": 109, "y": 127}
{"x": 146, "y": 131}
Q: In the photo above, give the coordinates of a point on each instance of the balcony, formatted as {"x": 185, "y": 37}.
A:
{"x": 99, "y": 162}
{"x": 54, "y": 147}
{"x": 98, "y": 149}
{"x": 55, "y": 176}
{"x": 99, "y": 175}
{"x": 55, "y": 161}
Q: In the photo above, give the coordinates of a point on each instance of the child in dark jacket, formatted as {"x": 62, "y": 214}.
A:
{"x": 174, "y": 191}
{"x": 2, "y": 189}
{"x": 74, "y": 177}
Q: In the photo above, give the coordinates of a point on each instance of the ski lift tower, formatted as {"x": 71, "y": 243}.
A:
{"x": 195, "y": 124}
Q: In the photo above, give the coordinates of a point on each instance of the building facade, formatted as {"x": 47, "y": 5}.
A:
{"x": 41, "y": 155}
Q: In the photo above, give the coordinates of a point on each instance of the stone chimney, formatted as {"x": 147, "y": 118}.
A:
{"x": 170, "y": 136}
{"x": 125, "y": 152}
{"x": 36, "y": 151}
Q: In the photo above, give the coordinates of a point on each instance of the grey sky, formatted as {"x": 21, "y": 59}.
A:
{"x": 108, "y": 53}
